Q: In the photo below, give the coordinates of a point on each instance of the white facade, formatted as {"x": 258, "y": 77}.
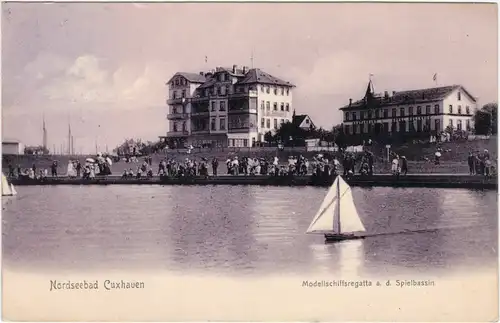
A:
{"x": 275, "y": 108}
{"x": 455, "y": 109}
{"x": 12, "y": 148}
{"x": 231, "y": 107}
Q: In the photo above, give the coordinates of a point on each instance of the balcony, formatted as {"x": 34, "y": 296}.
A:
{"x": 242, "y": 129}
{"x": 200, "y": 113}
{"x": 177, "y": 116}
{"x": 199, "y": 99}
{"x": 200, "y": 131}
{"x": 177, "y": 101}
{"x": 249, "y": 94}
{"x": 179, "y": 133}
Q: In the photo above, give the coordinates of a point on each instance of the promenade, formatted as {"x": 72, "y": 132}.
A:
{"x": 387, "y": 180}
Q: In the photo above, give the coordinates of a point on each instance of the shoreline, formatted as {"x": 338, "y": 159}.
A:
{"x": 376, "y": 180}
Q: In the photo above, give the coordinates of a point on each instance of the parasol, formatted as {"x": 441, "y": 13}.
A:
{"x": 109, "y": 161}
{"x": 90, "y": 160}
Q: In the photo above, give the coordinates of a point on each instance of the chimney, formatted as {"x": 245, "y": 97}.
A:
{"x": 350, "y": 102}
{"x": 393, "y": 93}
{"x": 234, "y": 68}
{"x": 386, "y": 94}
{"x": 202, "y": 74}
{"x": 245, "y": 69}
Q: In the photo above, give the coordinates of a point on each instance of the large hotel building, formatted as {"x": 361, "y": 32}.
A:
{"x": 416, "y": 112}
{"x": 232, "y": 107}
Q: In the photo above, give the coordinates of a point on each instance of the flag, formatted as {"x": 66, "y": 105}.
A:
{"x": 434, "y": 78}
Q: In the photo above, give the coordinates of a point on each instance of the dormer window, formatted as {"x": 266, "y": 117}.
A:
{"x": 275, "y": 91}
{"x": 268, "y": 89}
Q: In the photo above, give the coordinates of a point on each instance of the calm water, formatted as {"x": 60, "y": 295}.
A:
{"x": 243, "y": 230}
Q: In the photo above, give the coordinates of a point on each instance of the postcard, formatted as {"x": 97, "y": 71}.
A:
{"x": 249, "y": 161}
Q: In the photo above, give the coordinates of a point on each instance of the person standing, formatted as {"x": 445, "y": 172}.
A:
{"x": 215, "y": 165}
{"x": 470, "y": 160}
{"x": 404, "y": 165}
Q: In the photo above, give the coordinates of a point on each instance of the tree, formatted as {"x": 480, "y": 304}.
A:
{"x": 483, "y": 123}
{"x": 340, "y": 138}
{"x": 492, "y": 110}
{"x": 268, "y": 137}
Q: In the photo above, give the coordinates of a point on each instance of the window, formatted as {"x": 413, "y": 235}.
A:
{"x": 275, "y": 123}
{"x": 227, "y": 89}
{"x": 175, "y": 126}
{"x": 176, "y": 81}
{"x": 262, "y": 105}
{"x": 174, "y": 110}
{"x": 268, "y": 123}
{"x": 436, "y": 109}
{"x": 287, "y": 91}
{"x": 268, "y": 89}
{"x": 183, "y": 95}
{"x": 218, "y": 90}
{"x": 410, "y": 111}
{"x": 354, "y": 116}
{"x": 282, "y": 121}
{"x": 213, "y": 105}
{"x": 347, "y": 130}
{"x": 275, "y": 106}
{"x": 394, "y": 112}
{"x": 253, "y": 141}
{"x": 459, "y": 124}
{"x": 394, "y": 126}
{"x": 307, "y": 120}
{"x": 459, "y": 96}
{"x": 282, "y": 91}
{"x": 386, "y": 113}
{"x": 245, "y": 142}
{"x": 268, "y": 105}
{"x": 467, "y": 110}
{"x": 222, "y": 106}
{"x": 275, "y": 91}
{"x": 206, "y": 92}
{"x": 262, "y": 122}
{"x": 450, "y": 109}
{"x": 369, "y": 115}
{"x": 174, "y": 95}
{"x": 184, "y": 128}
{"x": 212, "y": 124}
{"x": 437, "y": 125}
{"x": 451, "y": 122}
{"x": 419, "y": 110}
{"x": 419, "y": 125}
{"x": 377, "y": 113}
{"x": 459, "y": 109}
{"x": 427, "y": 125}
{"x": 467, "y": 125}
{"x": 287, "y": 107}
{"x": 262, "y": 88}
{"x": 427, "y": 109}
{"x": 346, "y": 116}
{"x": 282, "y": 106}
{"x": 402, "y": 112}
{"x": 222, "y": 125}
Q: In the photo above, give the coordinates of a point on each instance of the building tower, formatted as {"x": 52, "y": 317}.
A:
{"x": 44, "y": 130}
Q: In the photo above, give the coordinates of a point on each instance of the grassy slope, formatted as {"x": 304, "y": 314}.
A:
{"x": 453, "y": 161}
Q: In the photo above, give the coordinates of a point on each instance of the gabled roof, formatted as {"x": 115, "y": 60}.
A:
{"x": 191, "y": 77}
{"x": 299, "y": 118}
{"x": 408, "y": 97}
{"x": 256, "y": 75}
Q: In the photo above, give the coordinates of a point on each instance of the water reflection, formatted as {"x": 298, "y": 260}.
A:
{"x": 244, "y": 230}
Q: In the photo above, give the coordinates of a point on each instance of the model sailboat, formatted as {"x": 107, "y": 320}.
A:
{"x": 337, "y": 218}
{"x": 7, "y": 189}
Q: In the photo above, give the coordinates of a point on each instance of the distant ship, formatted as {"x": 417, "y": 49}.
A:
{"x": 337, "y": 218}
{"x": 7, "y": 189}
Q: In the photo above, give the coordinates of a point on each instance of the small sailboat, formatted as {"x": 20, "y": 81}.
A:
{"x": 337, "y": 218}
{"x": 7, "y": 189}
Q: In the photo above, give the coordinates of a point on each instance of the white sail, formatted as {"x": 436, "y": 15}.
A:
{"x": 6, "y": 189}
{"x": 323, "y": 220}
{"x": 327, "y": 219}
{"x": 12, "y": 189}
{"x": 349, "y": 217}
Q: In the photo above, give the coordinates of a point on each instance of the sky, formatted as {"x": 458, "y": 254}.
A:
{"x": 102, "y": 67}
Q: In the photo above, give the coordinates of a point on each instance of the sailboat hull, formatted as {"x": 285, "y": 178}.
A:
{"x": 341, "y": 237}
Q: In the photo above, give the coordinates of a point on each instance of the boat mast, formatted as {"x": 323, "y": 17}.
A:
{"x": 338, "y": 203}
